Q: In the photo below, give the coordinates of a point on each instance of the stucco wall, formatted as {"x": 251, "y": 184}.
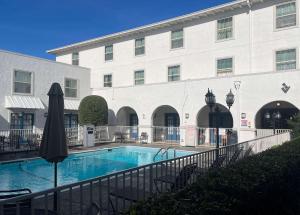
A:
{"x": 252, "y": 47}
{"x": 44, "y": 74}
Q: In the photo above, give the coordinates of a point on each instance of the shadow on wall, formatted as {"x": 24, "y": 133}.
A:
{"x": 4, "y": 124}
{"x": 112, "y": 119}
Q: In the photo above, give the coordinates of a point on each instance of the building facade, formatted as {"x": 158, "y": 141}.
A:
{"x": 158, "y": 75}
{"x": 25, "y": 82}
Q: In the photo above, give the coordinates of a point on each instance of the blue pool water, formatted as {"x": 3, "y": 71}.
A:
{"x": 37, "y": 174}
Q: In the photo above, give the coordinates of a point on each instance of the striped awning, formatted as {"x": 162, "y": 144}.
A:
{"x": 24, "y": 102}
{"x": 71, "y": 104}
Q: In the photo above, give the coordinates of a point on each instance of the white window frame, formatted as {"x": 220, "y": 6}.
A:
{"x": 77, "y": 87}
{"x": 180, "y": 71}
{"x": 228, "y": 73}
{"x": 275, "y": 16}
{"x": 107, "y": 82}
{"x": 109, "y": 53}
{"x": 217, "y": 30}
{"x": 139, "y": 47}
{"x": 75, "y": 59}
{"x": 285, "y": 49}
{"x": 13, "y": 82}
{"x": 134, "y": 80}
{"x": 183, "y": 36}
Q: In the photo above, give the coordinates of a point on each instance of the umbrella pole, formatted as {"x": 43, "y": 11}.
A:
{"x": 55, "y": 185}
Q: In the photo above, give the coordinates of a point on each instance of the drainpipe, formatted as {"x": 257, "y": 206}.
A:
{"x": 237, "y": 85}
{"x": 249, "y": 3}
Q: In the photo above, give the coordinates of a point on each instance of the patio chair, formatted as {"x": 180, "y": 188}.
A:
{"x": 32, "y": 141}
{"x": 119, "y": 137}
{"x": 248, "y": 151}
{"x": 131, "y": 194}
{"x": 11, "y": 208}
{"x": 217, "y": 163}
{"x": 235, "y": 156}
{"x": 144, "y": 137}
{"x": 94, "y": 209}
{"x": 14, "y": 141}
{"x": 177, "y": 182}
{"x": 2, "y": 143}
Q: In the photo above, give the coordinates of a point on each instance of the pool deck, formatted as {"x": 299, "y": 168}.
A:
{"x": 10, "y": 156}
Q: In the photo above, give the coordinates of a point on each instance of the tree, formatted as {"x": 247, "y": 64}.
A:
{"x": 93, "y": 110}
{"x": 294, "y": 124}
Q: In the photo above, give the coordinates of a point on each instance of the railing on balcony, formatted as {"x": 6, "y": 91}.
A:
{"x": 137, "y": 182}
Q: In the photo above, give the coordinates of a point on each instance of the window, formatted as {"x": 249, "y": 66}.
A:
{"x": 286, "y": 60}
{"x": 21, "y": 120}
{"x": 139, "y": 77}
{"x": 107, "y": 81}
{"x": 286, "y": 15}
{"x": 109, "y": 55}
{"x": 71, "y": 120}
{"x": 22, "y": 82}
{"x": 139, "y": 46}
{"x": 70, "y": 88}
{"x": 177, "y": 39}
{"x": 174, "y": 73}
{"x": 225, "y": 29}
{"x": 75, "y": 58}
{"x": 224, "y": 66}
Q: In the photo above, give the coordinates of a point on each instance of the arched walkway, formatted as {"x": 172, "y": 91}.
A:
{"x": 128, "y": 119}
{"x": 206, "y": 123}
{"x": 286, "y": 110}
{"x": 166, "y": 122}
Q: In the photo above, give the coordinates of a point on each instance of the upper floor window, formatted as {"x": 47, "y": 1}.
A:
{"x": 286, "y": 60}
{"x": 286, "y": 15}
{"x": 71, "y": 88}
{"x": 75, "y": 58}
{"x": 225, "y": 28}
{"x": 177, "y": 39}
{"x": 139, "y": 77}
{"x": 139, "y": 46}
{"x": 173, "y": 73}
{"x": 109, "y": 54}
{"x": 22, "y": 82}
{"x": 107, "y": 80}
{"x": 224, "y": 67}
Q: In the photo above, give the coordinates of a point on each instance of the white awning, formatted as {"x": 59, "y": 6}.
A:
{"x": 71, "y": 104}
{"x": 24, "y": 102}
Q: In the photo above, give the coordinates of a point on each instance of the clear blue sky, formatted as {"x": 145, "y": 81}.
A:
{"x": 34, "y": 26}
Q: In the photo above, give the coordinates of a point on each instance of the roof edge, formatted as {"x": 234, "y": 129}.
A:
{"x": 159, "y": 24}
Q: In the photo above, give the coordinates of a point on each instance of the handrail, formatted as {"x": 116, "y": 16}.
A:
{"x": 167, "y": 152}
{"x": 158, "y": 153}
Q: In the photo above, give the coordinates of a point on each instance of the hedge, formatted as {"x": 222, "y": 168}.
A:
{"x": 266, "y": 183}
{"x": 93, "y": 110}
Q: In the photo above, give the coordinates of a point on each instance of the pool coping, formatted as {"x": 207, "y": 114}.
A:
{"x": 84, "y": 151}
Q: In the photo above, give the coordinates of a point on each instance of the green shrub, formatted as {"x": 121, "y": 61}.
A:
{"x": 93, "y": 110}
{"x": 266, "y": 183}
{"x": 294, "y": 124}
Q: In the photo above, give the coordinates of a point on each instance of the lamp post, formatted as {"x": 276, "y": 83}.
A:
{"x": 210, "y": 100}
{"x": 273, "y": 117}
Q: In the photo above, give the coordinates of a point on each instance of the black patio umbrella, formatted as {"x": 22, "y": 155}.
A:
{"x": 53, "y": 146}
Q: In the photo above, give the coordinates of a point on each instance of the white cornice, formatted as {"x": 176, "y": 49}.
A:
{"x": 158, "y": 25}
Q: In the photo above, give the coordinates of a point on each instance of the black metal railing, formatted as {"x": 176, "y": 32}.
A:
{"x": 118, "y": 191}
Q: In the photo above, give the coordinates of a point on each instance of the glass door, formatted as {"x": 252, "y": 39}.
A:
{"x": 172, "y": 124}
{"x": 133, "y": 123}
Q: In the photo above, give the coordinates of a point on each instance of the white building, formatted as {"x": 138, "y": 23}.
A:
{"x": 156, "y": 76}
{"x": 25, "y": 82}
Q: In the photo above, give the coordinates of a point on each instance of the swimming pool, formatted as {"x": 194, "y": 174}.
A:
{"x": 37, "y": 174}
